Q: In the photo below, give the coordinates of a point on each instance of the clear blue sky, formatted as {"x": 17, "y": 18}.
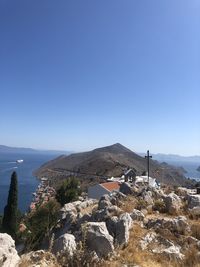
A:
{"x": 81, "y": 74}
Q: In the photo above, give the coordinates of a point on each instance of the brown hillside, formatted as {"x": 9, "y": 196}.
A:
{"x": 110, "y": 161}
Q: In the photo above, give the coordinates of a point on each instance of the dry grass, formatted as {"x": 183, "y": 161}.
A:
{"x": 192, "y": 259}
{"x": 45, "y": 259}
{"x": 89, "y": 209}
{"x": 129, "y": 204}
{"x": 195, "y": 228}
{"x": 132, "y": 254}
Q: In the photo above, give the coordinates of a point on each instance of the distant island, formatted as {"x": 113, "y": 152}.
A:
{"x": 23, "y": 150}
{"x": 198, "y": 169}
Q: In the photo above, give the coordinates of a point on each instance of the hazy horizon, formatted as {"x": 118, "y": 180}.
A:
{"x": 89, "y": 149}
{"x": 84, "y": 74}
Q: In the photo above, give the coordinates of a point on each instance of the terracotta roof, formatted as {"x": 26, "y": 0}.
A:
{"x": 111, "y": 186}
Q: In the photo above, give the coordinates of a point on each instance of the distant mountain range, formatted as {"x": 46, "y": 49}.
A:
{"x": 175, "y": 158}
{"x": 22, "y": 150}
{"x": 110, "y": 161}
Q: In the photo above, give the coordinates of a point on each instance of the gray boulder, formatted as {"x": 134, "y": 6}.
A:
{"x": 126, "y": 188}
{"x": 178, "y": 224}
{"x": 148, "y": 197}
{"x": 111, "y": 225}
{"x": 65, "y": 243}
{"x": 104, "y": 204}
{"x": 86, "y": 203}
{"x": 124, "y": 224}
{"x": 67, "y": 208}
{"x": 172, "y": 203}
{"x": 8, "y": 253}
{"x": 193, "y": 201}
{"x": 159, "y": 245}
{"x": 98, "y": 239}
{"x": 195, "y": 212}
{"x": 137, "y": 215}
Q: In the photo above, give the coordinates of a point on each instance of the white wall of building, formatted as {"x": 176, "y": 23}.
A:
{"x": 97, "y": 191}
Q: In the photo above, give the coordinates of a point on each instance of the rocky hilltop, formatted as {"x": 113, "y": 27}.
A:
{"x": 135, "y": 226}
{"x": 110, "y": 161}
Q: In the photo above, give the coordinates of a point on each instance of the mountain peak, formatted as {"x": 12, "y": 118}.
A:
{"x": 115, "y": 148}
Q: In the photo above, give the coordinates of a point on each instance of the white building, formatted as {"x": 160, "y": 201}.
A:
{"x": 144, "y": 179}
{"x": 98, "y": 190}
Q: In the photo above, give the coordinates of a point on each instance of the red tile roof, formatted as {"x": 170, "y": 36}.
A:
{"x": 111, "y": 186}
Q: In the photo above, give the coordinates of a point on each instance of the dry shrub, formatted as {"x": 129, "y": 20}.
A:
{"x": 133, "y": 255}
{"x": 159, "y": 205}
{"x": 81, "y": 258}
{"x": 129, "y": 204}
{"x": 141, "y": 204}
{"x": 195, "y": 228}
{"x": 192, "y": 259}
{"x": 89, "y": 209}
{"x": 42, "y": 259}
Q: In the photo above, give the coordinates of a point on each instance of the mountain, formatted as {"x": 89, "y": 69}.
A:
{"x": 23, "y": 150}
{"x": 110, "y": 161}
{"x": 176, "y": 158}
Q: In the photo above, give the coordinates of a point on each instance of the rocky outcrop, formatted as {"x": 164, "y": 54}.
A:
{"x": 126, "y": 188}
{"x": 159, "y": 245}
{"x": 148, "y": 197}
{"x": 178, "y": 224}
{"x": 172, "y": 203}
{"x": 65, "y": 243}
{"x": 137, "y": 215}
{"x": 122, "y": 231}
{"x": 98, "y": 238}
{"x": 193, "y": 201}
{"x": 195, "y": 212}
{"x": 8, "y": 253}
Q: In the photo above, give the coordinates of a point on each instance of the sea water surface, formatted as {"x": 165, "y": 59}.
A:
{"x": 27, "y": 183}
{"x": 190, "y": 167}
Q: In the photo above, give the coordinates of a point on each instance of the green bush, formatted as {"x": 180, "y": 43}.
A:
{"x": 69, "y": 191}
{"x": 40, "y": 222}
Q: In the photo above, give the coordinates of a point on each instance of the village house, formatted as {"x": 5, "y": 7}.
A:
{"x": 98, "y": 190}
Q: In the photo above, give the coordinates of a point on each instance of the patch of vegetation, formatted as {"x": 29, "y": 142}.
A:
{"x": 159, "y": 205}
{"x": 68, "y": 191}
{"x": 40, "y": 222}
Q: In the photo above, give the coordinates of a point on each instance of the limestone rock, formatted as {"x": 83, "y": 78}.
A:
{"x": 137, "y": 215}
{"x": 126, "y": 189}
{"x": 8, "y": 253}
{"x": 178, "y": 224}
{"x": 67, "y": 208}
{"x": 65, "y": 243}
{"x": 104, "y": 204}
{"x": 148, "y": 197}
{"x": 111, "y": 225}
{"x": 173, "y": 203}
{"x": 123, "y": 226}
{"x": 193, "y": 201}
{"x": 159, "y": 245}
{"x": 98, "y": 239}
{"x": 86, "y": 203}
{"x": 194, "y": 211}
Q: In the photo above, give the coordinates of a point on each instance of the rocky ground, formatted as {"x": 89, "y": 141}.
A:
{"x": 138, "y": 226}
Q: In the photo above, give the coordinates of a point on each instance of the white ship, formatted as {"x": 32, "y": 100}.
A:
{"x": 19, "y": 161}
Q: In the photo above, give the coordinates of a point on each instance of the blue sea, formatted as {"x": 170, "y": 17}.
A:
{"x": 190, "y": 167}
{"x": 27, "y": 183}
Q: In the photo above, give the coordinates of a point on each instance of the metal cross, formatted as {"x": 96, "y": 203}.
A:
{"x": 148, "y": 157}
